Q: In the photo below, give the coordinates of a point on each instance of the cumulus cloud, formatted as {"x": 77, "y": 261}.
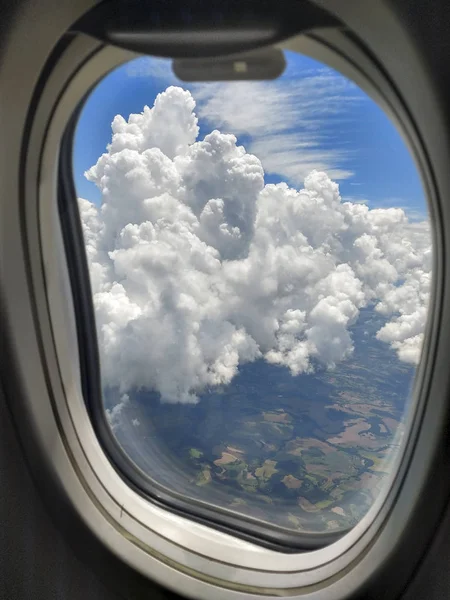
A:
{"x": 198, "y": 267}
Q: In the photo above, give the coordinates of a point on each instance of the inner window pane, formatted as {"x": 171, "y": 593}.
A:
{"x": 260, "y": 259}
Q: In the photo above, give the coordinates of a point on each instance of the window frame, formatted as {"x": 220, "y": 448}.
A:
{"x": 154, "y": 555}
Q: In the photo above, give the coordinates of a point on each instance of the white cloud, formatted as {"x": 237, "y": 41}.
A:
{"x": 114, "y": 414}
{"x": 288, "y": 120}
{"x": 416, "y": 213}
{"x": 197, "y": 267}
{"x": 146, "y": 66}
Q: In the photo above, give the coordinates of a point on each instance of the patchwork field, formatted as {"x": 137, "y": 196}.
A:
{"x": 308, "y": 453}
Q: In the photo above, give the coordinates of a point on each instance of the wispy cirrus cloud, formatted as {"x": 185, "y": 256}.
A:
{"x": 159, "y": 68}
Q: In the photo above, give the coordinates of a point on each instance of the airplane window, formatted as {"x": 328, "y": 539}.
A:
{"x": 260, "y": 262}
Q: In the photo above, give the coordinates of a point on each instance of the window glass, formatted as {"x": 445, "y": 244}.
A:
{"x": 260, "y": 260}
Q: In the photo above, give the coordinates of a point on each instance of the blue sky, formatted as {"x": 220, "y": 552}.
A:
{"x": 312, "y": 117}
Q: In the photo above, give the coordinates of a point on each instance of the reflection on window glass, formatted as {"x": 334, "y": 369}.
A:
{"x": 260, "y": 258}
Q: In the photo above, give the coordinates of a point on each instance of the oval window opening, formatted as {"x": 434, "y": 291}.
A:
{"x": 260, "y": 261}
